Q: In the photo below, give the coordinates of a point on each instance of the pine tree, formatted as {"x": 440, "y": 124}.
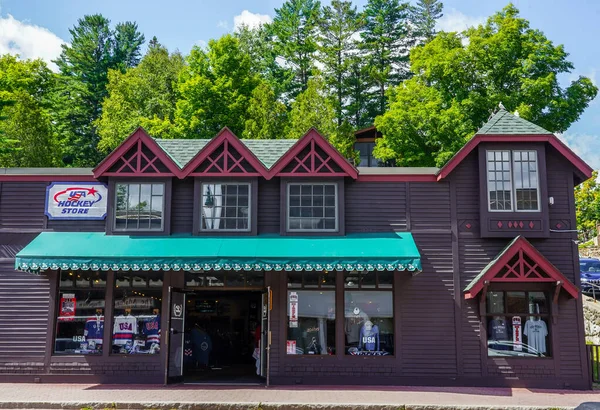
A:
{"x": 339, "y": 25}
{"x": 293, "y": 32}
{"x": 425, "y": 14}
{"x": 387, "y": 39}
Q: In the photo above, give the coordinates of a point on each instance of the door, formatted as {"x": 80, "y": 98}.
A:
{"x": 175, "y": 336}
{"x": 265, "y": 340}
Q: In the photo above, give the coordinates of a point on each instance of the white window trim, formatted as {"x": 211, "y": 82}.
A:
{"x": 200, "y": 219}
{"x": 164, "y": 200}
{"x": 337, "y": 213}
{"x": 513, "y": 189}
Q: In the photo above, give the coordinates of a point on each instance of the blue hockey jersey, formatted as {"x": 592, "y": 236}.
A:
{"x": 94, "y": 330}
{"x": 151, "y": 329}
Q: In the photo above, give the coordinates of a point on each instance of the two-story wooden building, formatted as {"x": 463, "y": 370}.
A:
{"x": 277, "y": 261}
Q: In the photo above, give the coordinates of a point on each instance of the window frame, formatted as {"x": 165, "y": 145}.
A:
{"x": 303, "y": 288}
{"x": 513, "y": 188}
{"x": 338, "y": 206}
{"x": 551, "y": 322}
{"x": 250, "y": 206}
{"x": 112, "y": 207}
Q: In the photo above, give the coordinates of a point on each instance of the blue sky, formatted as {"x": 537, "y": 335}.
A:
{"x": 36, "y": 28}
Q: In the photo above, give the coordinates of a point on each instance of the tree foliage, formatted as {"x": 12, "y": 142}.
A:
{"x": 266, "y": 117}
{"x": 84, "y": 64}
{"x": 312, "y": 108}
{"x": 215, "y": 89}
{"x": 145, "y": 96}
{"x": 294, "y": 35}
{"x": 466, "y": 75}
{"x": 587, "y": 204}
{"x": 339, "y": 25}
{"x": 387, "y": 39}
{"x": 425, "y": 15}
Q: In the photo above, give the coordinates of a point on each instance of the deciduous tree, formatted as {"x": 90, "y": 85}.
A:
{"x": 587, "y": 204}
{"x": 266, "y": 117}
{"x": 465, "y": 76}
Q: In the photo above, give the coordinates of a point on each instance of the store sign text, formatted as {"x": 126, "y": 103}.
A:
{"x": 76, "y": 200}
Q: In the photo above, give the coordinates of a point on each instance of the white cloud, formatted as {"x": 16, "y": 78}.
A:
{"x": 251, "y": 20}
{"x": 585, "y": 145}
{"x": 29, "y": 41}
{"x": 454, "y": 20}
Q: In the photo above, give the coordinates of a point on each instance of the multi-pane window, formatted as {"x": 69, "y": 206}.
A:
{"x": 311, "y": 313}
{"x": 512, "y": 180}
{"x": 80, "y": 314}
{"x": 139, "y": 207}
{"x": 312, "y": 207}
{"x": 365, "y": 150}
{"x": 518, "y": 324}
{"x": 369, "y": 313}
{"x": 225, "y": 207}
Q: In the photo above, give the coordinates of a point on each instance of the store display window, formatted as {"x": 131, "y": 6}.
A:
{"x": 311, "y": 313}
{"x": 136, "y": 319}
{"x": 80, "y": 313}
{"x": 369, "y": 323}
{"x": 518, "y": 324}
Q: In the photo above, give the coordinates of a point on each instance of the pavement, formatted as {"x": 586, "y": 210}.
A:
{"x": 203, "y": 397}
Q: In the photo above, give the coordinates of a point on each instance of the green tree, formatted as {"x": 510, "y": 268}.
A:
{"x": 27, "y": 130}
{"x": 587, "y": 204}
{"x": 293, "y": 32}
{"x": 266, "y": 117}
{"x": 387, "y": 40}
{"x": 215, "y": 88}
{"x": 468, "y": 75}
{"x": 425, "y": 15}
{"x": 338, "y": 26}
{"x": 28, "y": 126}
{"x": 84, "y": 64}
{"x": 7, "y": 145}
{"x": 145, "y": 96}
{"x": 312, "y": 108}
{"x": 256, "y": 42}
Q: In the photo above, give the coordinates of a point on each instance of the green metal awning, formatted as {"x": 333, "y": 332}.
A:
{"x": 98, "y": 251}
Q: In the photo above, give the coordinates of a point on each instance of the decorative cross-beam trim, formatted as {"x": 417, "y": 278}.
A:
{"x": 225, "y": 155}
{"x": 519, "y": 262}
{"x": 139, "y": 155}
{"x": 313, "y": 156}
{"x": 186, "y": 265}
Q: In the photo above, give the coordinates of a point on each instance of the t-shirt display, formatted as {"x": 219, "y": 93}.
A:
{"x": 536, "y": 332}
{"x": 498, "y": 329}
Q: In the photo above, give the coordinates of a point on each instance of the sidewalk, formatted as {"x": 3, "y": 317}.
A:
{"x": 70, "y": 396}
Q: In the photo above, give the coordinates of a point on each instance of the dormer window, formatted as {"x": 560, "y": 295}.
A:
{"x": 512, "y": 181}
{"x": 312, "y": 207}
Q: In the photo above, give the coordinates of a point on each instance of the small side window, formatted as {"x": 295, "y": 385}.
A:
{"x": 139, "y": 206}
{"x": 512, "y": 181}
{"x": 312, "y": 207}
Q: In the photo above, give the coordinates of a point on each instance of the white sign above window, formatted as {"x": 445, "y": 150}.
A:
{"x": 76, "y": 200}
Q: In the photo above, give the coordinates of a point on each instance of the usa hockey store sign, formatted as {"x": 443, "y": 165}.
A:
{"x": 76, "y": 200}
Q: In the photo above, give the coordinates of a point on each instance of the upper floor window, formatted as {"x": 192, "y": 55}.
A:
{"x": 512, "y": 180}
{"x": 140, "y": 206}
{"x": 312, "y": 207}
{"x": 365, "y": 150}
{"x": 225, "y": 207}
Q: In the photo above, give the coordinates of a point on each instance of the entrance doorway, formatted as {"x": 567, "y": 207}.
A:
{"x": 222, "y": 330}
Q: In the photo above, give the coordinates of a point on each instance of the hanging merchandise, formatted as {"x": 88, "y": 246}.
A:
{"x": 517, "y": 337}
{"x": 293, "y": 309}
{"x": 536, "y": 332}
{"x": 67, "y": 307}
{"x": 369, "y": 337}
{"x": 94, "y": 331}
{"x": 124, "y": 329}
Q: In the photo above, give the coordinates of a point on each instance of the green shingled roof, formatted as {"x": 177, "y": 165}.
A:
{"x": 504, "y": 122}
{"x": 183, "y": 150}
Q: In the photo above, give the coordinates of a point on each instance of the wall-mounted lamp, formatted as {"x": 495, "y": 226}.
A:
{"x": 551, "y": 200}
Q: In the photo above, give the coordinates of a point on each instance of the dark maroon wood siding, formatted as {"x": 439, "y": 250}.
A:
{"x": 440, "y": 338}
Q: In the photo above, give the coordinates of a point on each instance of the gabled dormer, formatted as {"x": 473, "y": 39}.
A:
{"x": 513, "y": 183}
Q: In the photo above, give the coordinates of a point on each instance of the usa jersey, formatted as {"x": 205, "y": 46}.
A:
{"x": 124, "y": 329}
{"x": 94, "y": 330}
{"x": 151, "y": 329}
{"x": 369, "y": 340}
